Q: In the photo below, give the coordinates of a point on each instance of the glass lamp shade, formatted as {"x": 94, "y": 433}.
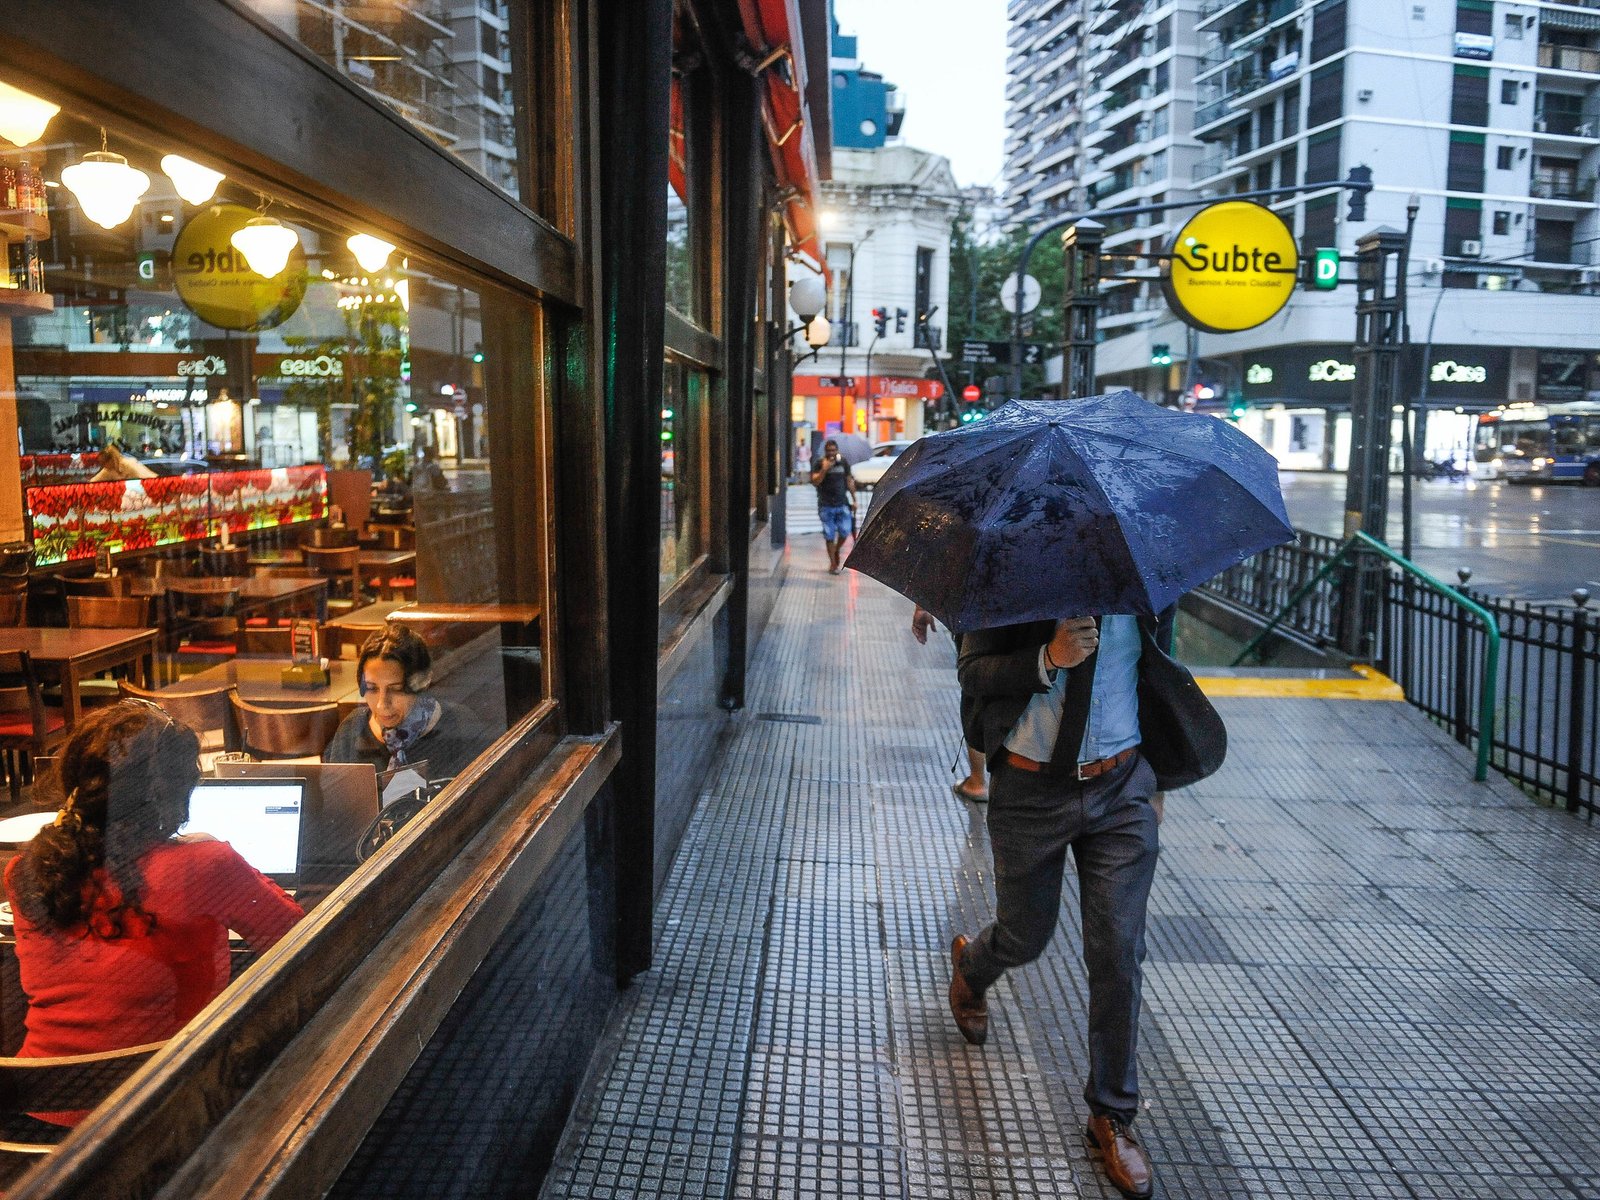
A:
{"x": 106, "y": 187}
{"x": 265, "y": 244}
{"x": 23, "y": 117}
{"x": 807, "y": 295}
{"x": 820, "y": 332}
{"x": 371, "y": 252}
{"x": 196, "y": 184}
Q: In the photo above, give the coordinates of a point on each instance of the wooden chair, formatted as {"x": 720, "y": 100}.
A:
{"x": 66, "y": 1084}
{"x": 341, "y": 567}
{"x": 215, "y": 560}
{"x": 200, "y": 623}
{"x": 27, "y": 725}
{"x": 393, "y": 537}
{"x": 95, "y": 585}
{"x": 302, "y": 732}
{"x": 16, "y": 565}
{"x": 207, "y": 711}
{"x": 266, "y": 641}
{"x": 324, "y": 537}
{"x": 106, "y": 612}
{"x": 13, "y": 609}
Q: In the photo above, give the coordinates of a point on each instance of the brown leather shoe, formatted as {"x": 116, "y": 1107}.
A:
{"x": 966, "y": 1005}
{"x": 1126, "y": 1164}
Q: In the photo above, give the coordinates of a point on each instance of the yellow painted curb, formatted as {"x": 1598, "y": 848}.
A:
{"x": 1371, "y": 685}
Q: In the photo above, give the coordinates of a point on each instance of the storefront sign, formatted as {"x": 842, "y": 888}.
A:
{"x": 1474, "y": 45}
{"x": 216, "y": 283}
{"x": 324, "y": 366}
{"x": 1563, "y": 374}
{"x": 1233, "y": 266}
{"x": 1256, "y": 373}
{"x": 211, "y": 364}
{"x": 1331, "y": 370}
{"x": 1450, "y": 371}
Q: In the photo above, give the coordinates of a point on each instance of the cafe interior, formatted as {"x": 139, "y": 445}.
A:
{"x": 360, "y": 374}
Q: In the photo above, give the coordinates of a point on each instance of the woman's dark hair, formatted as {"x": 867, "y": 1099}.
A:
{"x": 124, "y": 777}
{"x": 398, "y": 645}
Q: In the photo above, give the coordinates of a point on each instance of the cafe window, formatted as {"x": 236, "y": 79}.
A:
{"x": 684, "y": 498}
{"x": 685, "y": 208}
{"x": 270, "y": 437}
{"x": 447, "y": 69}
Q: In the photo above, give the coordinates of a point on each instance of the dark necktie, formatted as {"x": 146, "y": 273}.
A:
{"x": 1074, "y": 714}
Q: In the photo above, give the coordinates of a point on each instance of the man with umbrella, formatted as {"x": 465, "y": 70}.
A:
{"x": 1059, "y": 537}
{"x": 836, "y": 497}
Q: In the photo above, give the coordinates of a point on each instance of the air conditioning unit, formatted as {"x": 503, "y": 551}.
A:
{"x": 1588, "y": 276}
{"x": 1433, "y": 266}
{"x": 1471, "y": 248}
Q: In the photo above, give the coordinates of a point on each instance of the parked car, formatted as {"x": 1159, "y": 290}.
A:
{"x": 870, "y": 470}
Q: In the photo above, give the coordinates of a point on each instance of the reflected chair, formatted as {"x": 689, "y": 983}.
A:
{"x": 65, "y": 1084}
{"x": 207, "y": 711}
{"x": 106, "y": 612}
{"x": 324, "y": 537}
{"x": 200, "y": 622}
{"x": 301, "y": 732}
{"x": 95, "y": 585}
{"x": 217, "y": 560}
{"x": 266, "y": 641}
{"x": 341, "y": 567}
{"x": 13, "y": 609}
{"x": 16, "y": 564}
{"x": 28, "y": 727}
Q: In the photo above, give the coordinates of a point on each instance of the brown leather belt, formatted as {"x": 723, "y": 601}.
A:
{"x": 1086, "y": 770}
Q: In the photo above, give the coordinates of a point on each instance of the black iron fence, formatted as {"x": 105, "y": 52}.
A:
{"x": 1546, "y": 734}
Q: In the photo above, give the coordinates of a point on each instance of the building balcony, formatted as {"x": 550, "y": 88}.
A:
{"x": 1562, "y": 187}
{"x": 1564, "y": 124}
{"x": 1569, "y": 58}
{"x": 1253, "y": 17}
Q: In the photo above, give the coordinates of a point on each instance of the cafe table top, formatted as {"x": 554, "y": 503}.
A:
{"x": 74, "y": 646}
{"x": 369, "y": 559}
{"x": 260, "y": 681}
{"x": 248, "y": 587}
{"x": 473, "y": 614}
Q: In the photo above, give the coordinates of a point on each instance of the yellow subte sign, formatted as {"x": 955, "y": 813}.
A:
{"x": 1233, "y": 265}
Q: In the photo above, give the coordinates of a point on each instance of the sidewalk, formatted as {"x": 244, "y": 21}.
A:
{"x": 1367, "y": 976}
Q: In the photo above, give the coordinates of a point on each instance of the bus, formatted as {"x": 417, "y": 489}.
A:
{"x": 1540, "y": 443}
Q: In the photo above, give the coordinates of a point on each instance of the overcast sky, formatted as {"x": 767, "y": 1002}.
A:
{"x": 948, "y": 57}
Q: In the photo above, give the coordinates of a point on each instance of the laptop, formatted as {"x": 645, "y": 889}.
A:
{"x": 341, "y": 800}
{"x": 259, "y": 818}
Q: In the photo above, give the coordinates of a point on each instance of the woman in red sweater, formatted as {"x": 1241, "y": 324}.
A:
{"x": 121, "y": 923}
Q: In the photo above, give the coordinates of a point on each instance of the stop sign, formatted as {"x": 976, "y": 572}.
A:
{"x": 971, "y": 392}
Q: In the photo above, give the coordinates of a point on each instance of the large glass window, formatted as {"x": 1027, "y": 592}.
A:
{"x": 684, "y": 209}
{"x": 444, "y": 66}
{"x": 283, "y": 475}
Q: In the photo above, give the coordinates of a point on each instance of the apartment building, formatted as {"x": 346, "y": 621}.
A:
{"x": 1487, "y": 113}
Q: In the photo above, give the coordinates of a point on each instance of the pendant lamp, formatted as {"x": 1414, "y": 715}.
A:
{"x": 196, "y": 184}
{"x": 371, "y": 252}
{"x": 266, "y": 244}
{"x": 105, "y": 185}
{"x": 23, "y": 117}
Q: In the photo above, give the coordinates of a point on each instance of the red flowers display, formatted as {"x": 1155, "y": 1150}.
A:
{"x": 73, "y": 520}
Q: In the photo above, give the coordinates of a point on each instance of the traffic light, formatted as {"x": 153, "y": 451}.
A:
{"x": 900, "y": 315}
{"x": 1358, "y": 198}
{"x": 1160, "y": 355}
{"x": 477, "y": 352}
{"x": 1237, "y": 407}
{"x": 880, "y": 321}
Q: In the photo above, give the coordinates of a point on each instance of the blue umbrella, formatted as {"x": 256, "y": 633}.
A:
{"x": 1050, "y": 508}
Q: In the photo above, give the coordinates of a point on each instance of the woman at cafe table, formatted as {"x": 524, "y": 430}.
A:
{"x": 401, "y": 724}
{"x": 121, "y": 921}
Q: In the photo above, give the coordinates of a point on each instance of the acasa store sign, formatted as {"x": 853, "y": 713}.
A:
{"x": 1232, "y": 266}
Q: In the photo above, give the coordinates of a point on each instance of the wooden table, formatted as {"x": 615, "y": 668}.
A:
{"x": 355, "y": 627}
{"x": 260, "y": 681}
{"x": 79, "y": 653}
{"x": 382, "y": 565}
{"x": 269, "y": 594}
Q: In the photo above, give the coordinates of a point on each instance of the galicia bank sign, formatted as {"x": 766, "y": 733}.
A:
{"x": 1232, "y": 266}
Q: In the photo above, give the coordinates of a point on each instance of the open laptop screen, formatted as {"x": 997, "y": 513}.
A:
{"x": 259, "y": 818}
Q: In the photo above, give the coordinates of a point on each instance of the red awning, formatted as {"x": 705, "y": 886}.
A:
{"x": 773, "y": 29}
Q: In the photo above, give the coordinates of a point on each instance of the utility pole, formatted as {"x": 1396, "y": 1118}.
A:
{"x": 1081, "y": 247}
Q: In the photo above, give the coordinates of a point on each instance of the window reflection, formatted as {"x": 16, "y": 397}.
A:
{"x": 445, "y": 67}
{"x": 683, "y": 500}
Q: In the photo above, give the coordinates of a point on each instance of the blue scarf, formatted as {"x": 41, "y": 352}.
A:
{"x": 421, "y": 719}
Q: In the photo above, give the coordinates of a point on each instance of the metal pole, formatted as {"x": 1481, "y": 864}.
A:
{"x": 1578, "y": 722}
{"x": 1406, "y": 448}
{"x": 1380, "y": 317}
{"x": 866, "y": 385}
{"x": 1081, "y": 247}
{"x": 844, "y": 333}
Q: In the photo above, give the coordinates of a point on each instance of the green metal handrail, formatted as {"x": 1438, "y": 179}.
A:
{"x": 1491, "y": 631}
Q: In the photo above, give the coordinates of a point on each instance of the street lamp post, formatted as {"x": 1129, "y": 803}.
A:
{"x": 849, "y": 318}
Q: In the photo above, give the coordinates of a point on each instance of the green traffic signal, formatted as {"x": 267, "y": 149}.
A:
{"x": 1325, "y": 269}
{"x": 1160, "y": 355}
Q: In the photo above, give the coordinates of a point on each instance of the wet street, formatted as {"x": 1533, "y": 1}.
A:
{"x": 1531, "y": 543}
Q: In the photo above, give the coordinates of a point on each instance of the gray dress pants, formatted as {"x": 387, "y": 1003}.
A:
{"x": 1110, "y": 826}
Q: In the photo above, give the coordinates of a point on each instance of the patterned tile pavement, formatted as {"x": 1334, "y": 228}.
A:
{"x": 1368, "y": 976}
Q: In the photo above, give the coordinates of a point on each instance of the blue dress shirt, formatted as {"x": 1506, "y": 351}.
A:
{"x": 1113, "y": 723}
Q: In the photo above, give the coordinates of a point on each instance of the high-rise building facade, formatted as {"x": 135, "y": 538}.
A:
{"x": 1044, "y": 107}
{"x": 1487, "y": 114}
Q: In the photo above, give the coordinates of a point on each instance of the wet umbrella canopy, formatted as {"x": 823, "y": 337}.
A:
{"x": 853, "y": 448}
{"x": 1051, "y": 508}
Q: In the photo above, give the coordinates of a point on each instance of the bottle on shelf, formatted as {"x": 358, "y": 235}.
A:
{"x": 8, "y": 188}
{"x": 25, "y": 188}
{"x": 41, "y": 198}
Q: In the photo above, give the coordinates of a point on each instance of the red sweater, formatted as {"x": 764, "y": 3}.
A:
{"x": 88, "y": 994}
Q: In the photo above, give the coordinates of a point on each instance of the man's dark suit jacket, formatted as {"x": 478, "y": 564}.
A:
{"x": 1183, "y": 738}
